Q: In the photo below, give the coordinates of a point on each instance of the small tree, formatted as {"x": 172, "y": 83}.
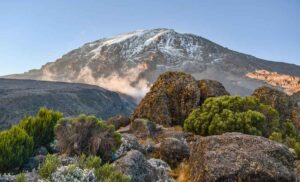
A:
{"x": 87, "y": 135}
{"x": 41, "y": 127}
{"x": 15, "y": 148}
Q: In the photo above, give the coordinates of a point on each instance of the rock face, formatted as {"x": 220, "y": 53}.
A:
{"x": 211, "y": 88}
{"x": 170, "y": 100}
{"x": 119, "y": 121}
{"x": 277, "y": 99}
{"x": 173, "y": 151}
{"x": 135, "y": 165}
{"x": 20, "y": 98}
{"x": 129, "y": 142}
{"x": 239, "y": 157}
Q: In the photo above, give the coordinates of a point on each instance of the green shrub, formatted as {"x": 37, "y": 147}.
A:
{"x": 41, "y": 127}
{"x": 104, "y": 173}
{"x": 232, "y": 114}
{"x": 20, "y": 177}
{"x": 276, "y": 136}
{"x": 49, "y": 166}
{"x": 87, "y": 135}
{"x": 15, "y": 148}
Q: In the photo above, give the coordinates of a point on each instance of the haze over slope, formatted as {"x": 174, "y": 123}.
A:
{"x": 20, "y": 98}
{"x": 130, "y": 62}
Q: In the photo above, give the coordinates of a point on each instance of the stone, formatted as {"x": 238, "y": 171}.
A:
{"x": 135, "y": 165}
{"x": 171, "y": 98}
{"x": 173, "y": 151}
{"x": 239, "y": 157}
{"x": 162, "y": 170}
{"x": 129, "y": 142}
{"x": 41, "y": 151}
{"x": 211, "y": 88}
{"x": 30, "y": 164}
{"x": 142, "y": 128}
{"x": 119, "y": 121}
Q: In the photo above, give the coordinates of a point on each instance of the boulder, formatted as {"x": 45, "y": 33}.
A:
{"x": 162, "y": 170}
{"x": 171, "y": 99}
{"x": 239, "y": 157}
{"x": 135, "y": 165}
{"x": 119, "y": 121}
{"x": 173, "y": 151}
{"x": 129, "y": 142}
{"x": 283, "y": 103}
{"x": 143, "y": 128}
{"x": 211, "y": 88}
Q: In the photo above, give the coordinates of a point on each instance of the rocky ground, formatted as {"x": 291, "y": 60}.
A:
{"x": 157, "y": 149}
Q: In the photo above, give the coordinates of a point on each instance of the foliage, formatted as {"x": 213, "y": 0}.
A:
{"x": 73, "y": 173}
{"x": 41, "y": 127}
{"x": 15, "y": 148}
{"x": 104, "y": 173}
{"x": 50, "y": 164}
{"x": 87, "y": 135}
{"x": 20, "y": 177}
{"x": 232, "y": 114}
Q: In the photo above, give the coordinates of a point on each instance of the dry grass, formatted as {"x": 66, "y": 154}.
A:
{"x": 182, "y": 172}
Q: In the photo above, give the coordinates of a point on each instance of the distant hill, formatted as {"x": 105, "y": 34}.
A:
{"x": 131, "y": 62}
{"x": 20, "y": 98}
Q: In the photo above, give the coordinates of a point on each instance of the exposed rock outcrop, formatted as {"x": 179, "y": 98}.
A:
{"x": 211, "y": 88}
{"x": 170, "y": 100}
{"x": 119, "y": 121}
{"x": 283, "y": 103}
{"x": 135, "y": 165}
{"x": 173, "y": 151}
{"x": 129, "y": 142}
{"x": 142, "y": 128}
{"x": 239, "y": 157}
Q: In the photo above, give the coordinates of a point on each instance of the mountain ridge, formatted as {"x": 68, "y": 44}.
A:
{"x": 130, "y": 62}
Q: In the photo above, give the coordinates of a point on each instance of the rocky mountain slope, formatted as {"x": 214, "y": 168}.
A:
{"x": 290, "y": 84}
{"x": 20, "y": 98}
{"x": 130, "y": 62}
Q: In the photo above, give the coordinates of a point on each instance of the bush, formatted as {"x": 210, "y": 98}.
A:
{"x": 87, "y": 135}
{"x": 72, "y": 173}
{"x": 50, "y": 165}
{"x": 41, "y": 127}
{"x": 20, "y": 177}
{"x": 105, "y": 173}
{"x": 15, "y": 148}
{"x": 233, "y": 114}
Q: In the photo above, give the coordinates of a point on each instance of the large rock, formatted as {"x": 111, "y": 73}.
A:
{"x": 143, "y": 128}
{"x": 135, "y": 165}
{"x": 277, "y": 99}
{"x": 173, "y": 151}
{"x": 129, "y": 142}
{"x": 211, "y": 88}
{"x": 171, "y": 98}
{"x": 119, "y": 121}
{"x": 239, "y": 157}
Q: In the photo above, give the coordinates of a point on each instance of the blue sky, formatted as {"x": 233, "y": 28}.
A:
{"x": 33, "y": 32}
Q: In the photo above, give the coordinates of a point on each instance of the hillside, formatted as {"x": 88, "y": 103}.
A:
{"x": 131, "y": 62}
{"x": 20, "y": 98}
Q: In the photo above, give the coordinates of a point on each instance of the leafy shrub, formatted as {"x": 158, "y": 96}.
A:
{"x": 105, "y": 173}
{"x": 232, "y": 114}
{"x": 50, "y": 164}
{"x": 15, "y": 148}
{"x": 87, "y": 135}
{"x": 20, "y": 177}
{"x": 41, "y": 127}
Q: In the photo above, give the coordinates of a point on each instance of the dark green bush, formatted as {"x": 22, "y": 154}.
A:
{"x": 87, "y": 135}
{"x": 232, "y": 114}
{"x": 41, "y": 127}
{"x": 15, "y": 148}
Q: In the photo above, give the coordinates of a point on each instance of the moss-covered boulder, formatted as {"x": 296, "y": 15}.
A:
{"x": 172, "y": 97}
{"x": 211, "y": 88}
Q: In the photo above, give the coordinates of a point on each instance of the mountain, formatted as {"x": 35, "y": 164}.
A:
{"x": 20, "y": 98}
{"x": 130, "y": 62}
